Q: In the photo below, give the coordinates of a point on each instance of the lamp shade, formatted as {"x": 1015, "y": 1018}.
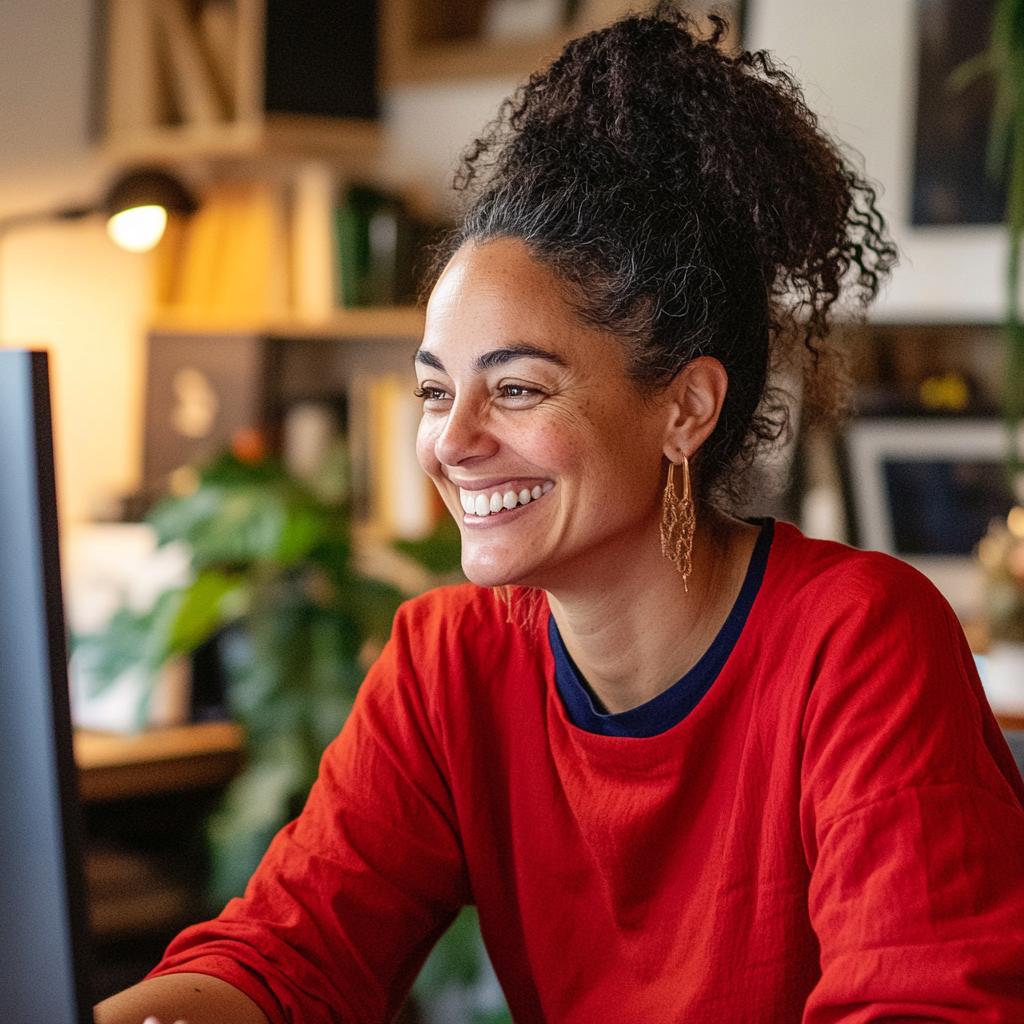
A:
{"x": 137, "y": 205}
{"x": 148, "y": 186}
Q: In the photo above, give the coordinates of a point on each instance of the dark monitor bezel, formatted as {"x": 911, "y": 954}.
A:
{"x": 40, "y": 430}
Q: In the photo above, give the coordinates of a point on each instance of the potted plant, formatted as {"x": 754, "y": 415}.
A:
{"x": 297, "y": 625}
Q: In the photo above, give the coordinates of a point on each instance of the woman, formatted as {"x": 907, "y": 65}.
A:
{"x": 687, "y": 767}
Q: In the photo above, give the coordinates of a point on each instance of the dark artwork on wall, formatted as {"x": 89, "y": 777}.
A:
{"x": 951, "y": 182}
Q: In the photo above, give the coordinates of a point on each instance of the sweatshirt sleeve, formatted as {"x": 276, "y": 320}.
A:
{"x": 352, "y": 895}
{"x": 911, "y": 818}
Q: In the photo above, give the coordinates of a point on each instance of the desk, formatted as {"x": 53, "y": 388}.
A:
{"x": 145, "y": 800}
{"x": 115, "y": 767}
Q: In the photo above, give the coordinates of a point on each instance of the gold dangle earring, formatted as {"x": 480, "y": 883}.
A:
{"x": 678, "y": 523}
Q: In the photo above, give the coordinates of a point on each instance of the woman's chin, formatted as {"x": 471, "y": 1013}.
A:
{"x": 486, "y": 576}
{"x": 489, "y": 571}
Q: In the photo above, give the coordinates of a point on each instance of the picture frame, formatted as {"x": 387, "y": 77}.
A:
{"x": 924, "y": 490}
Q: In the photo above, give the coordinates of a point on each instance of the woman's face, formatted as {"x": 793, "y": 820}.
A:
{"x": 545, "y": 452}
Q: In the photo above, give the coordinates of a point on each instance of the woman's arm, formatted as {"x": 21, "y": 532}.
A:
{"x": 912, "y": 818}
{"x": 197, "y": 998}
{"x": 351, "y": 896}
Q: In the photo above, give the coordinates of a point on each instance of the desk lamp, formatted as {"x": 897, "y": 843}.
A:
{"x": 136, "y": 206}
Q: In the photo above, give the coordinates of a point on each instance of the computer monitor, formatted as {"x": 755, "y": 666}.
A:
{"x": 925, "y": 490}
{"x": 43, "y": 926}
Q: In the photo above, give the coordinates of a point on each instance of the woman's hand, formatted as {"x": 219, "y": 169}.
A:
{"x": 195, "y": 998}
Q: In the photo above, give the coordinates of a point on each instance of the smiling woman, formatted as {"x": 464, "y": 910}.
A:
{"x": 687, "y": 767}
{"x": 523, "y": 397}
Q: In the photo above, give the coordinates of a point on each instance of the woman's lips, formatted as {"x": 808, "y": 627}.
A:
{"x": 491, "y": 500}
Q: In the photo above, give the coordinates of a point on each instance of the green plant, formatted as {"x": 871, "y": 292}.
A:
{"x": 1003, "y": 62}
{"x": 272, "y": 575}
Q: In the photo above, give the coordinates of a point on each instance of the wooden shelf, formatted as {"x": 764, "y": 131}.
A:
{"x": 477, "y": 58}
{"x": 382, "y": 323}
{"x": 413, "y": 52}
{"x": 353, "y": 144}
{"x": 113, "y": 767}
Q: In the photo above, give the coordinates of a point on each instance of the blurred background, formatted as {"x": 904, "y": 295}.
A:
{"x": 240, "y": 505}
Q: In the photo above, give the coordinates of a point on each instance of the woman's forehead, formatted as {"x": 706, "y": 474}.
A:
{"x": 501, "y": 268}
{"x": 496, "y": 288}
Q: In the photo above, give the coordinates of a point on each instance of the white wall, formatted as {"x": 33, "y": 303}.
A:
{"x": 429, "y": 126}
{"x": 857, "y": 61}
{"x": 68, "y": 288}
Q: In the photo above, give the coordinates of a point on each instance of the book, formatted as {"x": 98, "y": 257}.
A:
{"x": 133, "y": 73}
{"x": 401, "y": 495}
{"x": 313, "y": 249}
{"x": 195, "y": 89}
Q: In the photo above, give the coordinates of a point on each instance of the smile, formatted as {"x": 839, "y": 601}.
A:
{"x": 485, "y": 503}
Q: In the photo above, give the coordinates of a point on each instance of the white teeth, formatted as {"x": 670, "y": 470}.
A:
{"x": 484, "y": 505}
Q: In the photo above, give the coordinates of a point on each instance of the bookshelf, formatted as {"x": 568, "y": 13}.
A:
{"x": 212, "y": 79}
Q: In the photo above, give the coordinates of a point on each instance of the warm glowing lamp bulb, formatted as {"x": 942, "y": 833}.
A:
{"x": 138, "y": 229}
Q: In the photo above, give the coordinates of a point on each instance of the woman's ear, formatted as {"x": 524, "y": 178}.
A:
{"x": 695, "y": 399}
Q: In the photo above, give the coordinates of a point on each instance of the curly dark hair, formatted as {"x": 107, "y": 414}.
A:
{"x": 692, "y": 205}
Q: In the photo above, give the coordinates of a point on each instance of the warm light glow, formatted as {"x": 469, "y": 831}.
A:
{"x": 1015, "y": 522}
{"x": 139, "y": 228}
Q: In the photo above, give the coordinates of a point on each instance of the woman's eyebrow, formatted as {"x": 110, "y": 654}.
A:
{"x": 496, "y": 357}
{"x": 501, "y": 356}
{"x": 428, "y": 359}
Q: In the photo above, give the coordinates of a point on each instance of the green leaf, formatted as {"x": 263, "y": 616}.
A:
{"x": 256, "y": 806}
{"x": 131, "y": 639}
{"x": 967, "y": 73}
{"x": 212, "y": 601}
{"x": 303, "y": 529}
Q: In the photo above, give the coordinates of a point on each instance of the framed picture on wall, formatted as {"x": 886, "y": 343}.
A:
{"x": 926, "y": 489}
{"x": 951, "y": 182}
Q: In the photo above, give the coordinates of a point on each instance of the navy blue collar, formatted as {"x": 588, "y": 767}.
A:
{"x": 670, "y": 707}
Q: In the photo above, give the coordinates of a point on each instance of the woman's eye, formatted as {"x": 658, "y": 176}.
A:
{"x": 431, "y": 394}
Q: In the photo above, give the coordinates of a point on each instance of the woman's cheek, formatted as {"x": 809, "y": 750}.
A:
{"x": 426, "y": 436}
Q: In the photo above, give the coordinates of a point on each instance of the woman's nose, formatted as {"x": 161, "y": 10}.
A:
{"x": 465, "y": 435}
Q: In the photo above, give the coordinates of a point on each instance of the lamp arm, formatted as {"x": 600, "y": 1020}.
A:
{"x": 66, "y": 213}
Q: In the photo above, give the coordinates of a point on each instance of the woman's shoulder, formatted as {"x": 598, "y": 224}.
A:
{"x": 476, "y": 627}
{"x": 459, "y": 653}
{"x": 805, "y": 569}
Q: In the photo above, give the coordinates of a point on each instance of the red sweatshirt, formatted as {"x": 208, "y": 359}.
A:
{"x": 834, "y": 833}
